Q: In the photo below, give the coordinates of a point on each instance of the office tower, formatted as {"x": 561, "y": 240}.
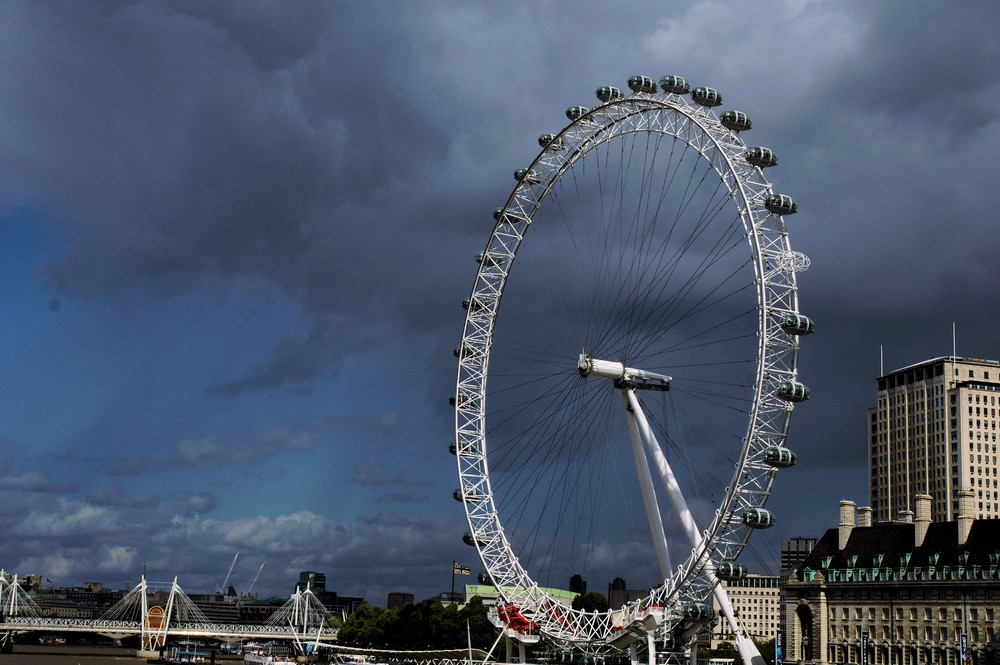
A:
{"x": 934, "y": 432}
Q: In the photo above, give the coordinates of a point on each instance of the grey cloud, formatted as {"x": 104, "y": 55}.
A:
{"x": 201, "y": 503}
{"x": 116, "y": 496}
{"x": 243, "y": 451}
{"x": 34, "y": 481}
{"x": 366, "y": 474}
{"x": 296, "y": 361}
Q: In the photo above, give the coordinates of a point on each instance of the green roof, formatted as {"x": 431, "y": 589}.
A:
{"x": 488, "y": 590}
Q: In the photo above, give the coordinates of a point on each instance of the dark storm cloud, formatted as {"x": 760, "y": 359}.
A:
{"x": 295, "y": 360}
{"x": 344, "y": 158}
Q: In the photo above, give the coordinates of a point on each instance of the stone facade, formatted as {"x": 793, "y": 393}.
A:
{"x": 755, "y": 602}
{"x": 915, "y": 589}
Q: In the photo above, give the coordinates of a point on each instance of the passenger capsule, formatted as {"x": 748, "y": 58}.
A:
{"x": 606, "y": 94}
{"x": 465, "y": 351}
{"x": 796, "y": 324}
{"x": 706, "y": 96}
{"x": 698, "y": 612}
{"x": 760, "y": 156}
{"x": 738, "y": 121}
{"x": 529, "y": 176}
{"x": 675, "y": 85}
{"x": 730, "y": 571}
{"x": 470, "y": 541}
{"x": 781, "y": 204}
{"x": 551, "y": 141}
{"x": 641, "y": 84}
{"x": 792, "y": 391}
{"x": 778, "y": 457}
{"x": 757, "y": 518}
{"x": 463, "y": 401}
{"x": 484, "y": 579}
{"x": 576, "y": 112}
{"x": 469, "y": 498}
{"x": 472, "y": 305}
{"x": 488, "y": 259}
{"x": 453, "y": 448}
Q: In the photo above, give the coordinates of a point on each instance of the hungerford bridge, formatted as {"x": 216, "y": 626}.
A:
{"x": 302, "y": 620}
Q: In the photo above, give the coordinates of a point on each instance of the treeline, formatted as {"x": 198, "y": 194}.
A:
{"x": 426, "y": 625}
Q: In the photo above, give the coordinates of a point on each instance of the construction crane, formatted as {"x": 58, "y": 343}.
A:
{"x": 225, "y": 583}
{"x": 255, "y": 578}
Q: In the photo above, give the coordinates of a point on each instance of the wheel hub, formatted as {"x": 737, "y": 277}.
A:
{"x": 625, "y": 378}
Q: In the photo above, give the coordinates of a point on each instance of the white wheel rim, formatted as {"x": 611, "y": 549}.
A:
{"x": 665, "y": 116}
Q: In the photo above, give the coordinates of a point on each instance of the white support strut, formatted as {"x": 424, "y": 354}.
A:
{"x": 648, "y": 496}
{"x": 748, "y": 651}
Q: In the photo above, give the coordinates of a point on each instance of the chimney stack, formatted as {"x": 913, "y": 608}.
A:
{"x": 864, "y": 516}
{"x": 846, "y": 522}
{"x": 923, "y": 520}
{"x": 906, "y": 515}
{"x": 966, "y": 513}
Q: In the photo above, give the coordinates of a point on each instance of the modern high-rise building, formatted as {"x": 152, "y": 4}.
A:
{"x": 312, "y": 580}
{"x": 934, "y": 431}
{"x": 398, "y": 599}
{"x": 794, "y": 551}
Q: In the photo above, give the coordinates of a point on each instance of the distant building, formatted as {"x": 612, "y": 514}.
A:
{"x": 913, "y": 591}
{"x": 259, "y": 611}
{"x": 755, "y": 601}
{"x": 76, "y": 602}
{"x": 577, "y": 584}
{"x": 794, "y": 551}
{"x": 339, "y": 605}
{"x": 217, "y": 607}
{"x": 933, "y": 431}
{"x": 27, "y": 582}
{"x": 312, "y": 580}
{"x": 398, "y": 599}
{"x": 619, "y": 595}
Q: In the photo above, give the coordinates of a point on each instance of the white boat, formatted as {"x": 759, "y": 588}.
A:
{"x": 267, "y": 654}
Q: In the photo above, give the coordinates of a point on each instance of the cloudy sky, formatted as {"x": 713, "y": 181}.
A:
{"x": 234, "y": 237}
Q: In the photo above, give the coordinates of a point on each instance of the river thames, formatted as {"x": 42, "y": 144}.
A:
{"x": 73, "y": 654}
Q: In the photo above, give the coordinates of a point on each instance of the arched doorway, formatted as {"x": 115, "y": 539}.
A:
{"x": 804, "y": 616}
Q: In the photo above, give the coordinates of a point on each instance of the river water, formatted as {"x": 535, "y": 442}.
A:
{"x": 69, "y": 654}
{"x": 73, "y": 654}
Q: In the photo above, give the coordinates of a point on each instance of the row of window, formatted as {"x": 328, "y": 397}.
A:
{"x": 928, "y": 634}
{"x": 943, "y": 613}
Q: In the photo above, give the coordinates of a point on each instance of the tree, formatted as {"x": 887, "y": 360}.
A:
{"x": 766, "y": 648}
{"x": 590, "y": 601}
{"x": 726, "y": 650}
{"x": 426, "y": 625}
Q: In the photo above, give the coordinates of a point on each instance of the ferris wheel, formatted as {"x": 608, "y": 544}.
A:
{"x": 628, "y": 366}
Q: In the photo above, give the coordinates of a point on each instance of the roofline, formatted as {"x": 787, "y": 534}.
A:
{"x": 957, "y": 359}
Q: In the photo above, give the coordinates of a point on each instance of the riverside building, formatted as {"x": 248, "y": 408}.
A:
{"x": 898, "y": 593}
{"x": 755, "y": 602}
{"x": 933, "y": 431}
